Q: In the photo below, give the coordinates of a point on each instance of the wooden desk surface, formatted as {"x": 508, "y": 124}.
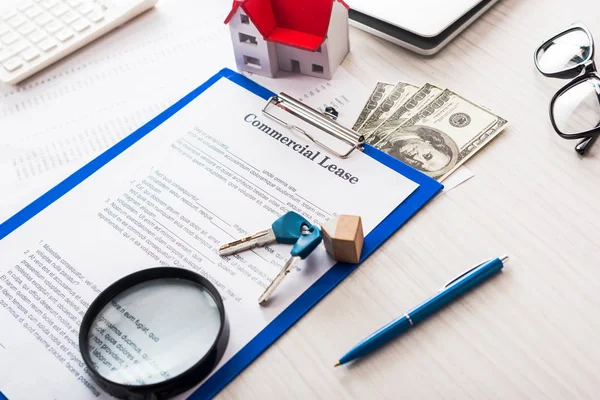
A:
{"x": 529, "y": 333}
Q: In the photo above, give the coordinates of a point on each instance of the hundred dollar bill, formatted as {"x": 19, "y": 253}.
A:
{"x": 401, "y": 92}
{"x": 382, "y": 89}
{"x": 443, "y": 135}
{"x": 410, "y": 107}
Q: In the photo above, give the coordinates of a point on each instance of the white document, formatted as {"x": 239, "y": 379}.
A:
{"x": 57, "y": 121}
{"x": 343, "y": 92}
{"x": 460, "y": 176}
{"x": 65, "y": 116}
{"x": 207, "y": 175}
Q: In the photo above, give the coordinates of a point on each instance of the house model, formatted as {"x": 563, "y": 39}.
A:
{"x": 309, "y": 37}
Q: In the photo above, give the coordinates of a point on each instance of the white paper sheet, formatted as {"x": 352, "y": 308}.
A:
{"x": 203, "y": 177}
{"x": 458, "y": 177}
{"x": 59, "y": 120}
{"x": 344, "y": 92}
{"x": 66, "y": 115}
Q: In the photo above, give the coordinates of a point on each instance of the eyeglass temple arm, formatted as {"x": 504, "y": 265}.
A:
{"x": 585, "y": 144}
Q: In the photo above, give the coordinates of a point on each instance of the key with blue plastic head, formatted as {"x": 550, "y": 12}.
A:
{"x": 286, "y": 229}
{"x": 305, "y": 245}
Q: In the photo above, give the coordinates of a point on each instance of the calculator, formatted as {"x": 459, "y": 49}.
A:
{"x": 36, "y": 33}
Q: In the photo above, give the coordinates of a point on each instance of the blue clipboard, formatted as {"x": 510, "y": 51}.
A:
{"x": 428, "y": 188}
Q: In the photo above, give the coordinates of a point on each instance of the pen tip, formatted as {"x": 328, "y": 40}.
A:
{"x": 337, "y": 364}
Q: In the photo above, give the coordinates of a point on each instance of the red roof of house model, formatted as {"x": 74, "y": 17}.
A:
{"x": 297, "y": 23}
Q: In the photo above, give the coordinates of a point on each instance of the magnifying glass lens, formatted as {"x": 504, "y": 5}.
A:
{"x": 153, "y": 332}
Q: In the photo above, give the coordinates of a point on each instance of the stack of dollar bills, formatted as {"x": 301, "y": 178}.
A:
{"x": 429, "y": 128}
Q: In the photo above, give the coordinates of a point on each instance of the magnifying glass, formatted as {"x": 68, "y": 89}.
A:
{"x": 154, "y": 334}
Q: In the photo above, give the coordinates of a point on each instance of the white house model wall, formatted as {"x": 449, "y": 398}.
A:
{"x": 255, "y": 54}
{"x": 252, "y": 52}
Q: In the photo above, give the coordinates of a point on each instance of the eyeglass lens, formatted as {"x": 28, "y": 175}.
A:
{"x": 577, "y": 110}
{"x": 564, "y": 52}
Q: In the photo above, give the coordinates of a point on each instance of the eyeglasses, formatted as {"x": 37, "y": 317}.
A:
{"x": 575, "y": 108}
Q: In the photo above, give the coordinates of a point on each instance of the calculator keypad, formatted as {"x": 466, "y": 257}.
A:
{"x": 35, "y": 28}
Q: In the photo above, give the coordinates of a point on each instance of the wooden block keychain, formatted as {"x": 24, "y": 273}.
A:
{"x": 343, "y": 238}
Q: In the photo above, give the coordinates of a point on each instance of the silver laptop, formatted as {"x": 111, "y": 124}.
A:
{"x": 423, "y": 26}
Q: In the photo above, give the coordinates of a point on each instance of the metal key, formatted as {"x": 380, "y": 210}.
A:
{"x": 286, "y": 229}
{"x": 302, "y": 249}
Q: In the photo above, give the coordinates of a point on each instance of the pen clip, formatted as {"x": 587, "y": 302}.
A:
{"x": 463, "y": 274}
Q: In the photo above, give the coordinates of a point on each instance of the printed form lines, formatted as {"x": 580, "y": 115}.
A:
{"x": 190, "y": 246}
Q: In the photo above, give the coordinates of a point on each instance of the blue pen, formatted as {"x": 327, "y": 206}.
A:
{"x": 448, "y": 293}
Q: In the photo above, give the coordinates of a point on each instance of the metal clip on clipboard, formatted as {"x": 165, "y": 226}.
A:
{"x": 318, "y": 119}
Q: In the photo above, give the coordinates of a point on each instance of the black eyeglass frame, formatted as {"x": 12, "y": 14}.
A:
{"x": 588, "y": 68}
